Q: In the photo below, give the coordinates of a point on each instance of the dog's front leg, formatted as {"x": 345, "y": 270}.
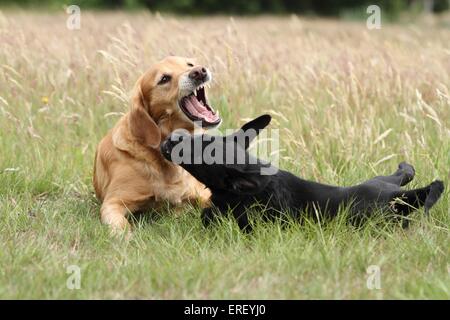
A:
{"x": 113, "y": 213}
{"x": 198, "y": 193}
{"x": 209, "y": 216}
{"x": 241, "y": 216}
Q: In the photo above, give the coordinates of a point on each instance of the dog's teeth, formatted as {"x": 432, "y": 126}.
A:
{"x": 217, "y": 113}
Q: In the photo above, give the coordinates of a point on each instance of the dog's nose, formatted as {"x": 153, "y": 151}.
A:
{"x": 166, "y": 149}
{"x": 198, "y": 74}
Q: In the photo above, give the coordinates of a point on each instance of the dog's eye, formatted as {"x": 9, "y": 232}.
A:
{"x": 190, "y": 64}
{"x": 164, "y": 79}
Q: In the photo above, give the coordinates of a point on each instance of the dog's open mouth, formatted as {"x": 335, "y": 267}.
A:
{"x": 195, "y": 106}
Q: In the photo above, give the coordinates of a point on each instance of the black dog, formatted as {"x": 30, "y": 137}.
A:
{"x": 239, "y": 185}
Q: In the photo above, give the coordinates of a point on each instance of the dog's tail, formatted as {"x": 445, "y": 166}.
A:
{"x": 424, "y": 197}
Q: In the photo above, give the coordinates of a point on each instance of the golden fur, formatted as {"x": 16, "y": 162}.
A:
{"x": 129, "y": 172}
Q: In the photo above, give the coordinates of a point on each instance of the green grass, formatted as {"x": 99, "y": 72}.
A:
{"x": 334, "y": 90}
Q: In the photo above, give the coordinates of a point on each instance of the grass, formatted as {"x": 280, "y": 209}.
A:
{"x": 349, "y": 103}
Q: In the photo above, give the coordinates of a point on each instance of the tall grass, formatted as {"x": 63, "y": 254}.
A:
{"x": 349, "y": 103}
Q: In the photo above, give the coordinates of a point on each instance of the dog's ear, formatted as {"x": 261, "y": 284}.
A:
{"x": 241, "y": 182}
{"x": 142, "y": 126}
{"x": 242, "y": 185}
{"x": 250, "y": 130}
{"x": 257, "y": 124}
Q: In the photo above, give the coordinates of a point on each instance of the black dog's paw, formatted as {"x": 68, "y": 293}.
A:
{"x": 436, "y": 189}
{"x": 407, "y": 167}
{"x": 208, "y": 217}
{"x": 408, "y": 170}
{"x": 438, "y": 185}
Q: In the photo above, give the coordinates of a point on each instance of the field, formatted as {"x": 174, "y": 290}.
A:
{"x": 349, "y": 103}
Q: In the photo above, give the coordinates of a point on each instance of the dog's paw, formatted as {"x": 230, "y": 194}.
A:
{"x": 436, "y": 189}
{"x": 407, "y": 168}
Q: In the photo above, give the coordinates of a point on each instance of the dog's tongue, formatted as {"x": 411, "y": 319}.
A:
{"x": 197, "y": 109}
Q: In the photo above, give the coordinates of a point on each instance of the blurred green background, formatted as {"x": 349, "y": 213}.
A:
{"x": 342, "y": 8}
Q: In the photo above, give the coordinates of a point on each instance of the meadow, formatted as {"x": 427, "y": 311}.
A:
{"x": 349, "y": 103}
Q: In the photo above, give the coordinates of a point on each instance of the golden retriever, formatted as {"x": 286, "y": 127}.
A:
{"x": 129, "y": 172}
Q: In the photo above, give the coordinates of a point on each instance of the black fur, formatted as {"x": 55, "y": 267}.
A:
{"x": 239, "y": 187}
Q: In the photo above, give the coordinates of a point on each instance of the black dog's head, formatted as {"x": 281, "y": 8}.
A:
{"x": 221, "y": 162}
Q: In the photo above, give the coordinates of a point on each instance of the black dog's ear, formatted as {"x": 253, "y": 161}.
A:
{"x": 257, "y": 124}
{"x": 250, "y": 130}
{"x": 242, "y": 185}
{"x": 246, "y": 183}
